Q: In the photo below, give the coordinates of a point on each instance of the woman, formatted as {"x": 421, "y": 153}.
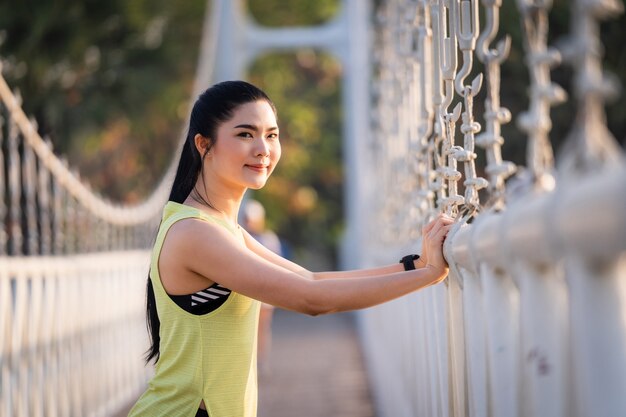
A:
{"x": 208, "y": 275}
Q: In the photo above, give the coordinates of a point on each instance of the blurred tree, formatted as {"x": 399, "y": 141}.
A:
{"x": 108, "y": 81}
{"x": 293, "y": 13}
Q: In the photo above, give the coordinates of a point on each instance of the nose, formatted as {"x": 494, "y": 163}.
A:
{"x": 262, "y": 148}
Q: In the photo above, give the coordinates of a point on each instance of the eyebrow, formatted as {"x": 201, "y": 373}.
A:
{"x": 254, "y": 128}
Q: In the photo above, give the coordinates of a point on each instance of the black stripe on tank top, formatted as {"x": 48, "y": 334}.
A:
{"x": 203, "y": 301}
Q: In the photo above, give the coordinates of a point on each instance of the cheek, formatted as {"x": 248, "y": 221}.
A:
{"x": 276, "y": 153}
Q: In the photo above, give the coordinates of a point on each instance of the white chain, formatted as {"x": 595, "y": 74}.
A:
{"x": 424, "y": 199}
{"x": 544, "y": 93}
{"x": 590, "y": 146}
{"x": 495, "y": 115}
{"x": 4, "y": 238}
{"x": 447, "y": 15}
{"x": 467, "y": 34}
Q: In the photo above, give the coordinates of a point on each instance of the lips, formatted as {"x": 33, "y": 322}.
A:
{"x": 258, "y": 167}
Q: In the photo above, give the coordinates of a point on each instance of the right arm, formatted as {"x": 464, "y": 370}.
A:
{"x": 278, "y": 260}
{"x": 210, "y": 251}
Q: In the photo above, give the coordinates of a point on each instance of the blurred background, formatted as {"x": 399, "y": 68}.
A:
{"x": 110, "y": 84}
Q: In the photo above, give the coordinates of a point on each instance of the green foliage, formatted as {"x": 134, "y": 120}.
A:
{"x": 108, "y": 81}
{"x": 292, "y": 13}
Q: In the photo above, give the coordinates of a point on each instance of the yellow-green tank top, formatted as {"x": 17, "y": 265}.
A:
{"x": 211, "y": 357}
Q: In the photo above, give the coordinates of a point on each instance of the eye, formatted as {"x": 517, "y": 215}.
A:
{"x": 272, "y": 136}
{"x": 246, "y": 135}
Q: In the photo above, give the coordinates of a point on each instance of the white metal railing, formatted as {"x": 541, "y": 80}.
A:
{"x": 73, "y": 269}
{"x": 532, "y": 319}
{"x": 73, "y": 330}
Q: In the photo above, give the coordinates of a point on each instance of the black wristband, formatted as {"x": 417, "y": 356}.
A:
{"x": 408, "y": 261}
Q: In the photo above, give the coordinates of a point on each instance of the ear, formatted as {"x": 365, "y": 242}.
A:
{"x": 202, "y": 143}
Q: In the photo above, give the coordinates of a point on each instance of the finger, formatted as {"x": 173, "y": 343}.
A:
{"x": 428, "y": 227}
{"x": 447, "y": 220}
{"x": 440, "y": 217}
{"x": 441, "y": 222}
{"x": 438, "y": 232}
{"x": 443, "y": 232}
{"x": 435, "y": 229}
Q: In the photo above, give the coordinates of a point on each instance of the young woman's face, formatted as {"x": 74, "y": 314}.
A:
{"x": 247, "y": 148}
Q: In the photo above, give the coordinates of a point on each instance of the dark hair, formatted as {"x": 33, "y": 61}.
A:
{"x": 212, "y": 108}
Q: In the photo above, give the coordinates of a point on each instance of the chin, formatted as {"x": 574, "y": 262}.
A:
{"x": 256, "y": 186}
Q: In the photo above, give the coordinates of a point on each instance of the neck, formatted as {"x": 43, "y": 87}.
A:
{"x": 223, "y": 202}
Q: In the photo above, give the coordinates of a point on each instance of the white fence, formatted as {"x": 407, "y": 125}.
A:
{"x": 532, "y": 319}
{"x": 73, "y": 333}
{"x": 73, "y": 269}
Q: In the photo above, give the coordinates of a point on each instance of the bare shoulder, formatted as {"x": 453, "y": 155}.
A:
{"x": 188, "y": 243}
{"x": 198, "y": 250}
{"x": 192, "y": 233}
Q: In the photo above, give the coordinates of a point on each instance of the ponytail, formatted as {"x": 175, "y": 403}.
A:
{"x": 185, "y": 179}
{"x": 215, "y": 106}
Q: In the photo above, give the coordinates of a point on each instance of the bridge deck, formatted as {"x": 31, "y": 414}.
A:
{"x": 316, "y": 369}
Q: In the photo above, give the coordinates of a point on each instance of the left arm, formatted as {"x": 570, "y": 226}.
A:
{"x": 268, "y": 255}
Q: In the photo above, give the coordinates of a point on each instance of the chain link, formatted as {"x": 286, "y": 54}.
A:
{"x": 543, "y": 93}
{"x": 495, "y": 115}
{"x": 590, "y": 146}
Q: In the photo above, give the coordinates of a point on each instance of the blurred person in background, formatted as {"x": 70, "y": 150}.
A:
{"x": 253, "y": 219}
